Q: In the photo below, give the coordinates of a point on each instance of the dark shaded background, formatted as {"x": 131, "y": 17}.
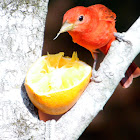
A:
{"x": 120, "y": 119}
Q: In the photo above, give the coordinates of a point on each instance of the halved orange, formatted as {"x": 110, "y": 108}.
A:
{"x": 54, "y": 83}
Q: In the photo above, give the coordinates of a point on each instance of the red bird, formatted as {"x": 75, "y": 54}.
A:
{"x": 93, "y": 28}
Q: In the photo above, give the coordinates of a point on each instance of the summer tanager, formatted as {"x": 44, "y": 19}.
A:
{"x": 93, "y": 28}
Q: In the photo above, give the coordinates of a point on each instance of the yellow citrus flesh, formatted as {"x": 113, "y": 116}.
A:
{"x": 54, "y": 83}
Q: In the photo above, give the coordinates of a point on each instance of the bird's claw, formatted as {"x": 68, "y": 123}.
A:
{"x": 121, "y": 37}
{"x": 95, "y": 77}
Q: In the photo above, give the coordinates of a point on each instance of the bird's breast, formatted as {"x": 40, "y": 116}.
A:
{"x": 94, "y": 39}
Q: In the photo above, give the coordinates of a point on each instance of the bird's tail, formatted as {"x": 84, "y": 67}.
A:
{"x": 132, "y": 72}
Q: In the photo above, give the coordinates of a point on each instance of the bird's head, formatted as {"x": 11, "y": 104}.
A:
{"x": 77, "y": 19}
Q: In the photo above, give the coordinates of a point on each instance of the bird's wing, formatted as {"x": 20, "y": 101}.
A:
{"x": 103, "y": 12}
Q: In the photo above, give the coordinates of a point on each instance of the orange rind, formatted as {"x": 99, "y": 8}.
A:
{"x": 54, "y": 83}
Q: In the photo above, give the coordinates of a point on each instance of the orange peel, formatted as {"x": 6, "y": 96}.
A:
{"x": 54, "y": 83}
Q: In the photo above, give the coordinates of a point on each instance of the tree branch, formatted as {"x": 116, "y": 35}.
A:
{"x": 71, "y": 125}
{"x": 22, "y": 24}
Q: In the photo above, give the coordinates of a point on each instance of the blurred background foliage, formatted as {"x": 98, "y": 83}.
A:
{"x": 120, "y": 119}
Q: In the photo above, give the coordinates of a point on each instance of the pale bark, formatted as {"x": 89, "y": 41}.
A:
{"x": 121, "y": 54}
{"x": 21, "y": 40}
{"x": 22, "y": 24}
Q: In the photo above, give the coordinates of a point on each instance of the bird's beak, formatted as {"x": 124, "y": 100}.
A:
{"x": 65, "y": 27}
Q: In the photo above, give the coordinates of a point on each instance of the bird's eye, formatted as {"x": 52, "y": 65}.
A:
{"x": 81, "y": 18}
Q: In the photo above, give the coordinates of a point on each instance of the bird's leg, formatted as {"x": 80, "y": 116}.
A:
{"x": 94, "y": 55}
{"x": 94, "y": 72}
